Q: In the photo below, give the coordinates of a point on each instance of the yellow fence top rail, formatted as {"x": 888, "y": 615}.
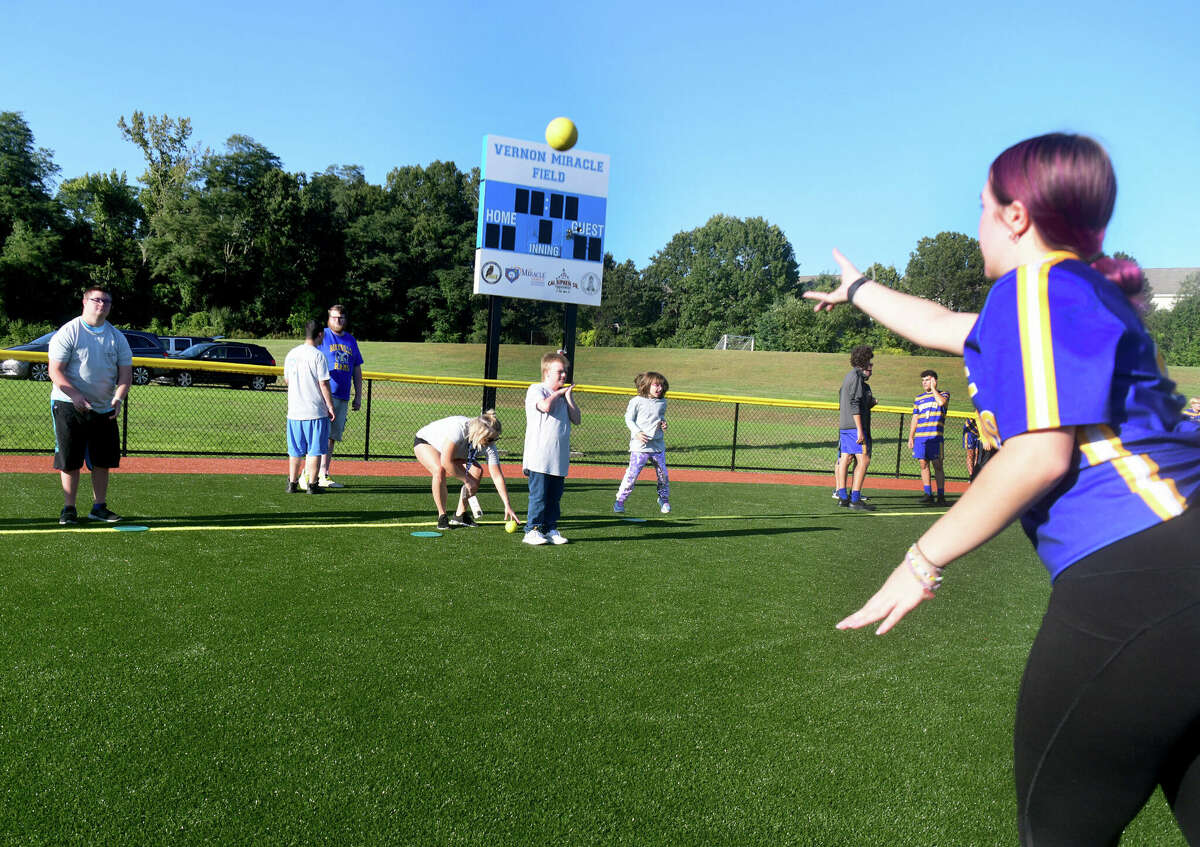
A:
{"x": 428, "y": 379}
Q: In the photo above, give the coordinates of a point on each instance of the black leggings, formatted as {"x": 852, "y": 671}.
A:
{"x": 1109, "y": 706}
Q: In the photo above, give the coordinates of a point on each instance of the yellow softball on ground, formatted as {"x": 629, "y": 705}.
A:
{"x": 561, "y": 134}
{"x": 511, "y": 526}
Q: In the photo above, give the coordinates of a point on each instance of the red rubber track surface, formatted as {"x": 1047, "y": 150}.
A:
{"x": 349, "y": 467}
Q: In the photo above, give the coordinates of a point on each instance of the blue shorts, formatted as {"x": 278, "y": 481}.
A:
{"x": 848, "y": 442}
{"x": 928, "y": 448}
{"x": 307, "y": 438}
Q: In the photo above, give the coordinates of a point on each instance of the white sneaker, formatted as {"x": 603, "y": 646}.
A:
{"x": 303, "y": 481}
{"x": 556, "y": 537}
{"x": 665, "y": 508}
{"x": 327, "y": 482}
{"x": 534, "y": 537}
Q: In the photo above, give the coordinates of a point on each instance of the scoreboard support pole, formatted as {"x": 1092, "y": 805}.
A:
{"x": 570, "y": 317}
{"x": 491, "y": 356}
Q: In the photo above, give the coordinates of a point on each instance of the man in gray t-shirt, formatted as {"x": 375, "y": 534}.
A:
{"x": 91, "y": 367}
{"x": 854, "y": 427}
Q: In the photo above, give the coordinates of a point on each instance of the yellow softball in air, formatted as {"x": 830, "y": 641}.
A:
{"x": 561, "y": 134}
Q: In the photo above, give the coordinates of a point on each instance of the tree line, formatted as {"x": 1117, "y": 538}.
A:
{"x": 229, "y": 242}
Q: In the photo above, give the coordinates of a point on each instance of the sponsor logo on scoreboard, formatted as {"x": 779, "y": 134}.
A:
{"x": 533, "y": 277}
{"x": 490, "y": 273}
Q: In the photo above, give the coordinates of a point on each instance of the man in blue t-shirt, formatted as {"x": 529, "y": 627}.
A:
{"x": 345, "y": 368}
{"x": 926, "y": 434}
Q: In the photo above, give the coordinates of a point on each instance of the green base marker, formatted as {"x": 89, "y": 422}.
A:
{"x": 425, "y": 533}
{"x": 634, "y": 520}
{"x": 130, "y": 527}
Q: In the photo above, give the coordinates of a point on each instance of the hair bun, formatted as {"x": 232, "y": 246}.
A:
{"x": 1125, "y": 273}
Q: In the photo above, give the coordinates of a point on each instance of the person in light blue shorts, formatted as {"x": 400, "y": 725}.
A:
{"x": 310, "y": 408}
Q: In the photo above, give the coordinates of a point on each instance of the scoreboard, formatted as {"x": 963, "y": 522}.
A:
{"x": 541, "y": 226}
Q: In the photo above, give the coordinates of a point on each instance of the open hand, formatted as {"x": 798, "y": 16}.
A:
{"x": 899, "y": 595}
{"x": 826, "y": 300}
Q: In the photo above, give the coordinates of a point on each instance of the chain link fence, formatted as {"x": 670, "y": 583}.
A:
{"x": 704, "y": 431}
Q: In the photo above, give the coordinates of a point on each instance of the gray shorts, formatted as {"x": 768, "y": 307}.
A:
{"x": 338, "y": 425}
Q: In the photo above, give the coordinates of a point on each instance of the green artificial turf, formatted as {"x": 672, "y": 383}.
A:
{"x": 287, "y": 669}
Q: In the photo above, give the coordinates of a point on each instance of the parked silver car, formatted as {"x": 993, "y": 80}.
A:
{"x": 16, "y": 369}
{"x": 140, "y": 343}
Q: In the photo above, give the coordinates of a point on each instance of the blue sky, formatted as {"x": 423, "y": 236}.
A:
{"x": 865, "y": 126}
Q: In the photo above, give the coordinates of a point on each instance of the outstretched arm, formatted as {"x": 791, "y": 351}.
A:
{"x": 502, "y": 489}
{"x": 921, "y": 321}
{"x": 1020, "y": 474}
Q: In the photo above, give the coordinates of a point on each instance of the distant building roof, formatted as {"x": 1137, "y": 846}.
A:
{"x": 1168, "y": 280}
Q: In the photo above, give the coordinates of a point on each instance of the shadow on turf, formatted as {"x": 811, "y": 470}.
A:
{"x": 677, "y": 533}
{"x": 233, "y": 519}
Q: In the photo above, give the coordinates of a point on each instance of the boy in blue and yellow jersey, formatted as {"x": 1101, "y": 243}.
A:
{"x": 1191, "y": 412}
{"x": 926, "y": 434}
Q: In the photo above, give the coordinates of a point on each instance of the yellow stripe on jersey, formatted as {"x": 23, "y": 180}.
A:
{"x": 1037, "y": 347}
{"x": 1100, "y": 443}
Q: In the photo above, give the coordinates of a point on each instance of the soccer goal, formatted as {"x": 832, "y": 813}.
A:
{"x": 736, "y": 342}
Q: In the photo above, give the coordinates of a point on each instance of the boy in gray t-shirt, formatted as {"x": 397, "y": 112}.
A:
{"x": 549, "y": 412}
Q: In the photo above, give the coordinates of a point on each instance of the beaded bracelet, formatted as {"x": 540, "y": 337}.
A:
{"x": 925, "y": 571}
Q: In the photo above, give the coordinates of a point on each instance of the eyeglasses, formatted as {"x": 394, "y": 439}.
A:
{"x": 337, "y": 317}
{"x": 103, "y": 300}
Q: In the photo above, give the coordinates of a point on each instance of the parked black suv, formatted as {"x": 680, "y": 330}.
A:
{"x": 145, "y": 344}
{"x": 229, "y": 353}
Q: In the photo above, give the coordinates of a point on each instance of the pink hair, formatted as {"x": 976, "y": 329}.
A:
{"x": 1067, "y": 184}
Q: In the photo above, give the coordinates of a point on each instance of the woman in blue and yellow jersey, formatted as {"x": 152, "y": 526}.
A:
{"x": 1103, "y": 475}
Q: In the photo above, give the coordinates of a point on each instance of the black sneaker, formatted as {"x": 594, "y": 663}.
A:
{"x": 926, "y": 498}
{"x": 443, "y": 522}
{"x": 844, "y": 503}
{"x": 465, "y": 519}
{"x": 100, "y": 512}
{"x": 68, "y": 516}
{"x": 860, "y": 506}
{"x": 293, "y": 488}
{"x": 941, "y": 500}
{"x": 314, "y": 488}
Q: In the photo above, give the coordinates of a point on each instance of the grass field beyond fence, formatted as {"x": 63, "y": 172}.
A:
{"x": 213, "y": 420}
{"x": 268, "y": 669}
